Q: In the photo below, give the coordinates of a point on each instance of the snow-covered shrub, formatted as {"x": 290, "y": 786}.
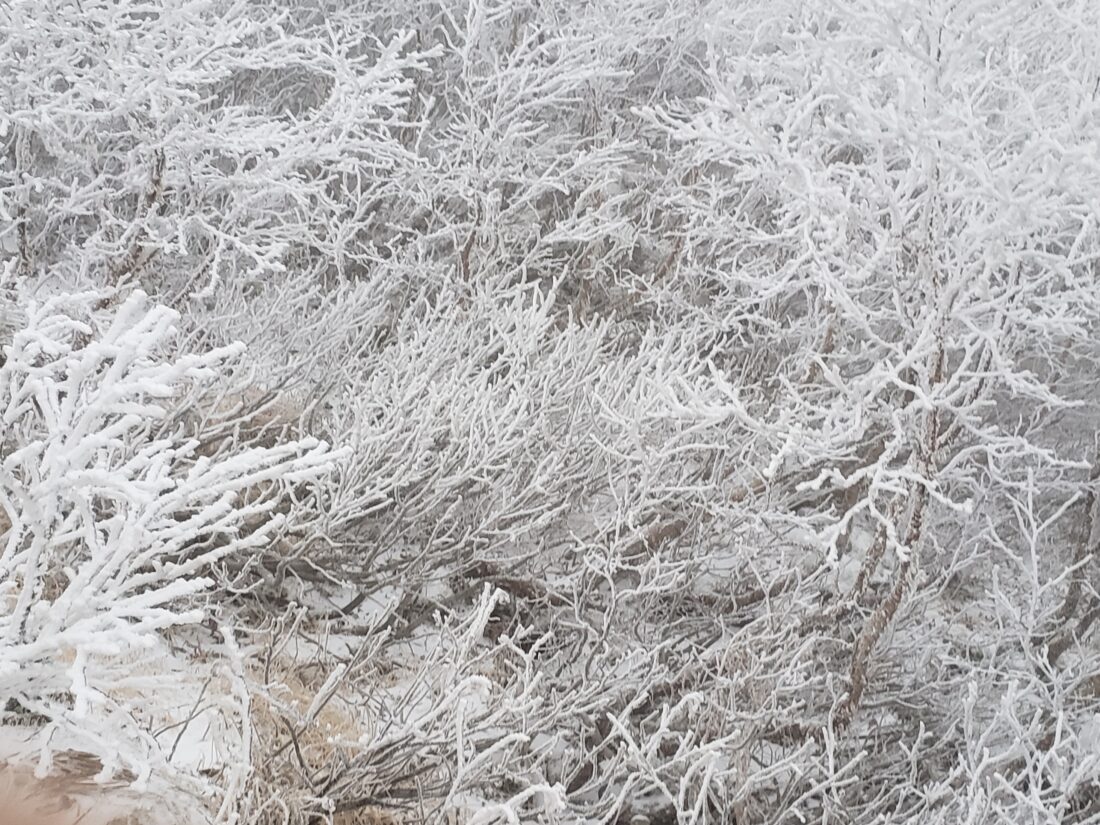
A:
{"x": 112, "y": 528}
{"x": 718, "y": 384}
{"x": 193, "y": 142}
{"x": 895, "y": 211}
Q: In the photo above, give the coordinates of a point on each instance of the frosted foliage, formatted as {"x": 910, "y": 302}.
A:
{"x": 496, "y": 411}
{"x": 111, "y": 529}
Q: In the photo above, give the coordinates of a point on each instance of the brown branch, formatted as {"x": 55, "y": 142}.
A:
{"x": 1060, "y": 638}
{"x": 884, "y": 614}
{"x": 122, "y": 270}
{"x": 1084, "y": 547}
{"x": 467, "y": 248}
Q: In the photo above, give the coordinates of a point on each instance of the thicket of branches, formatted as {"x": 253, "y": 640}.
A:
{"x": 526, "y": 411}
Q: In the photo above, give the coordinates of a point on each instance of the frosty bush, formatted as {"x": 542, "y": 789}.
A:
{"x": 111, "y": 527}
{"x": 714, "y": 383}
